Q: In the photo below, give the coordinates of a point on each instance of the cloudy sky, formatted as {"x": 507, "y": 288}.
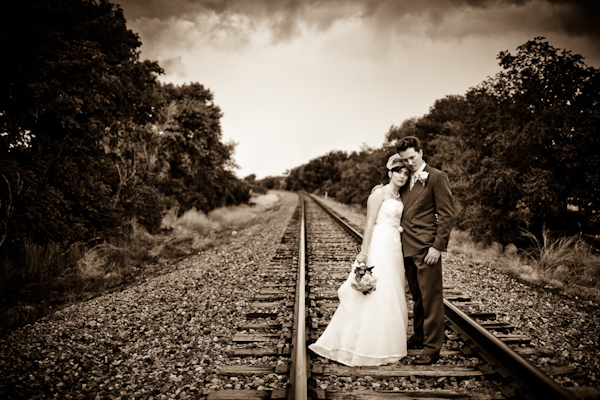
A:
{"x": 296, "y": 79}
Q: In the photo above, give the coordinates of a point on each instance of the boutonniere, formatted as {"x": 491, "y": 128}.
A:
{"x": 422, "y": 177}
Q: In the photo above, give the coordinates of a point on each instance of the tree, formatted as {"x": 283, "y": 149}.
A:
{"x": 533, "y": 142}
{"x": 395, "y": 133}
{"x": 318, "y": 174}
{"x": 347, "y": 177}
{"x": 197, "y": 164}
{"x": 71, "y": 82}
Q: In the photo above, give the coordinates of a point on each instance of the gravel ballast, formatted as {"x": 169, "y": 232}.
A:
{"x": 164, "y": 338}
{"x": 168, "y": 336}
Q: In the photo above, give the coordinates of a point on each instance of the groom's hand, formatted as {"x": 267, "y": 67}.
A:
{"x": 376, "y": 187}
{"x": 432, "y": 257}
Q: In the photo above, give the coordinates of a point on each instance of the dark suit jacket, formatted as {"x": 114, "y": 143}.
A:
{"x": 428, "y": 213}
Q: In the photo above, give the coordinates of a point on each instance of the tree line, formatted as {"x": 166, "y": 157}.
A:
{"x": 90, "y": 140}
{"x": 520, "y": 149}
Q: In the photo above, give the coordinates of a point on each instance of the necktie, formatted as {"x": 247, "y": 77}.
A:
{"x": 413, "y": 179}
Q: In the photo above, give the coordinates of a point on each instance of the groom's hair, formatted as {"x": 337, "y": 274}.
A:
{"x": 408, "y": 142}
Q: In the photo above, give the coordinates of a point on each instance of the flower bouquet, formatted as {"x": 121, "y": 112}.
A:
{"x": 364, "y": 282}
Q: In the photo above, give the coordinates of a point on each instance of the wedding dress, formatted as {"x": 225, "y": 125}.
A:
{"x": 371, "y": 329}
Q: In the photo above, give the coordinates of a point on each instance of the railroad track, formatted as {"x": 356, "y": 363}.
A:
{"x": 299, "y": 296}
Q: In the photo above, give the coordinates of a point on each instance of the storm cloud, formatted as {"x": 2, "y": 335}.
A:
{"x": 438, "y": 19}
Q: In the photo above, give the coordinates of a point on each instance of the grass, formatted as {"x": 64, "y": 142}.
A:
{"x": 565, "y": 263}
{"x": 48, "y": 278}
{"x": 565, "y": 259}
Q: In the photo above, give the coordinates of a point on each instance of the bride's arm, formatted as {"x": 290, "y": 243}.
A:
{"x": 373, "y": 204}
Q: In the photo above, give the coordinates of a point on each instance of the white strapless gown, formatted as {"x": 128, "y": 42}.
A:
{"x": 371, "y": 329}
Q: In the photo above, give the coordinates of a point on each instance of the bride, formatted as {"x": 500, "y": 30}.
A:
{"x": 371, "y": 329}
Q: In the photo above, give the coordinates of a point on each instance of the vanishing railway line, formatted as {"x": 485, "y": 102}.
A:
{"x": 481, "y": 357}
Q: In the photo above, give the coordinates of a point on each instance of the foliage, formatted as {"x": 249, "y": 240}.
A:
{"x": 193, "y": 165}
{"x": 317, "y": 172}
{"x": 263, "y": 185}
{"x": 347, "y": 177}
{"x": 534, "y": 156}
{"x": 550, "y": 254}
{"x": 91, "y": 142}
{"x": 71, "y": 82}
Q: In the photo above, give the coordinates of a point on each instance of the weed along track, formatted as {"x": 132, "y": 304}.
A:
{"x": 481, "y": 357}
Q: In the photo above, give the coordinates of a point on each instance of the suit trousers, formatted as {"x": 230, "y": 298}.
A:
{"x": 425, "y": 282}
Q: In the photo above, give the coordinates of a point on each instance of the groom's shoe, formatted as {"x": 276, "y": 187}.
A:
{"x": 413, "y": 343}
{"x": 424, "y": 359}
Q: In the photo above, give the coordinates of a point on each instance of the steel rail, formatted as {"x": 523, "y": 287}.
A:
{"x": 353, "y": 232}
{"x": 501, "y": 357}
{"x": 298, "y": 377}
{"x": 508, "y": 363}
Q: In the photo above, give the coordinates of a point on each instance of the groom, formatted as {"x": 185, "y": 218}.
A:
{"x": 427, "y": 221}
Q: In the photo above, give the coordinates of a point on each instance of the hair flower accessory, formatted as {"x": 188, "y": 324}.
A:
{"x": 364, "y": 281}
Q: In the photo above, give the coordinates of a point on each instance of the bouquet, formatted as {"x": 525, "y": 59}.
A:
{"x": 364, "y": 282}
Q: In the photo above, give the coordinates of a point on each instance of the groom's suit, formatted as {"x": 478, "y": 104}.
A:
{"x": 427, "y": 220}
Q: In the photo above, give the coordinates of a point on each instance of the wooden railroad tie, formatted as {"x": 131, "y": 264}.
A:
{"x": 249, "y": 370}
{"x": 260, "y": 352}
{"x": 389, "y": 394}
{"x": 396, "y": 371}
